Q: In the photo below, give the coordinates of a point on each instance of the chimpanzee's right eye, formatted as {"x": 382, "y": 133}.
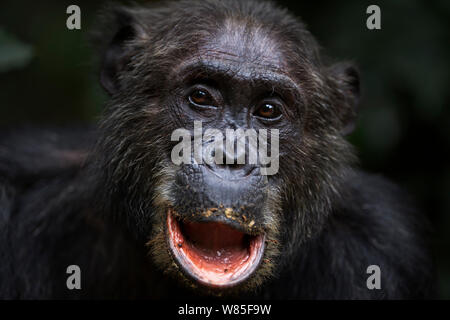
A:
{"x": 201, "y": 97}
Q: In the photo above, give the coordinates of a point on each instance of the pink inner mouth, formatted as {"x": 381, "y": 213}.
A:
{"x": 214, "y": 253}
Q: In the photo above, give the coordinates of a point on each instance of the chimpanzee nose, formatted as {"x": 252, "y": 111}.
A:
{"x": 230, "y": 165}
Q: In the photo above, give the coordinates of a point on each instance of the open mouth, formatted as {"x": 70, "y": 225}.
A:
{"x": 214, "y": 253}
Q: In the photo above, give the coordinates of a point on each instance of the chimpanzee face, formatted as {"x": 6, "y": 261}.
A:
{"x": 230, "y": 143}
{"x": 220, "y": 214}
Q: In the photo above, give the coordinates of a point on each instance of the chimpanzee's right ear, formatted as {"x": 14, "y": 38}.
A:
{"x": 117, "y": 53}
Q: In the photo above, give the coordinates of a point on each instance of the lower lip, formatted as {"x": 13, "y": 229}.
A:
{"x": 209, "y": 270}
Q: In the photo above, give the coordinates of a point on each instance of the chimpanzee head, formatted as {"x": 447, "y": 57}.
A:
{"x": 221, "y": 66}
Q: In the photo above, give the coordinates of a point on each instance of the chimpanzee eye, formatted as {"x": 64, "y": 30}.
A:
{"x": 201, "y": 97}
{"x": 268, "y": 111}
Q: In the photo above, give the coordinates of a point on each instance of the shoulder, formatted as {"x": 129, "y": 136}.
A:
{"x": 30, "y": 153}
{"x": 39, "y": 206}
{"x": 376, "y": 223}
{"x": 36, "y": 164}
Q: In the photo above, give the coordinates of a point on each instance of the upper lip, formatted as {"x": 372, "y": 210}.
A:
{"x": 220, "y": 218}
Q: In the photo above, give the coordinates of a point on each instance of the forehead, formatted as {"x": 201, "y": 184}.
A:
{"x": 248, "y": 42}
{"x": 241, "y": 50}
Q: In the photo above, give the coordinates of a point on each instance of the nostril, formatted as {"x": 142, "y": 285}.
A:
{"x": 231, "y": 171}
{"x": 231, "y": 163}
{"x": 234, "y": 166}
{"x": 228, "y": 166}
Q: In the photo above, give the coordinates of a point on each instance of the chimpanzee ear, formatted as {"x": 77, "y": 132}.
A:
{"x": 346, "y": 81}
{"x": 117, "y": 53}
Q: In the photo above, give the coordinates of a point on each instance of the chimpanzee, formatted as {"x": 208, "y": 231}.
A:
{"x": 111, "y": 200}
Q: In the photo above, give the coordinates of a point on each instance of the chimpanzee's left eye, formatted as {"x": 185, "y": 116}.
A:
{"x": 268, "y": 111}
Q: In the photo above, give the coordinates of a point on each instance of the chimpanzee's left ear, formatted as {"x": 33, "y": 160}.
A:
{"x": 345, "y": 77}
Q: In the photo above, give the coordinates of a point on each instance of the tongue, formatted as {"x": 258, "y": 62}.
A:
{"x": 215, "y": 244}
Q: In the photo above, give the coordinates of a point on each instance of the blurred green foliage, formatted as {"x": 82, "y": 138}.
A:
{"x": 48, "y": 77}
{"x": 14, "y": 54}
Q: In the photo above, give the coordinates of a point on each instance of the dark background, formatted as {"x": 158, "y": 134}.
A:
{"x": 48, "y": 76}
